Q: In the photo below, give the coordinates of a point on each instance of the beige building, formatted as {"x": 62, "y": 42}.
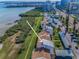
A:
{"x": 40, "y": 55}
{"x": 44, "y": 35}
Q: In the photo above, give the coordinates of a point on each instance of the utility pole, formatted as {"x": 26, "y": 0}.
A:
{"x": 67, "y": 16}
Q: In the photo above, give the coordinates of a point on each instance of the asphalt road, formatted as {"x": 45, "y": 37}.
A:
{"x": 75, "y": 51}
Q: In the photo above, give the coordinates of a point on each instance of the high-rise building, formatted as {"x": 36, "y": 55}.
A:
{"x": 67, "y": 1}
{"x": 64, "y": 3}
{"x": 74, "y": 0}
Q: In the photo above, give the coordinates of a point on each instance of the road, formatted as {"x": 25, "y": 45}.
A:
{"x": 63, "y": 13}
{"x": 71, "y": 19}
{"x": 75, "y": 51}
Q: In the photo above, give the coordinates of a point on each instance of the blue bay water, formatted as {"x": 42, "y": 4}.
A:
{"x": 8, "y": 15}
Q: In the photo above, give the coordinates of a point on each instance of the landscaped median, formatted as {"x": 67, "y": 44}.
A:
{"x": 30, "y": 41}
{"x": 56, "y": 39}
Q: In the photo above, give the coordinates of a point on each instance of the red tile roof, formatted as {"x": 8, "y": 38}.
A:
{"x": 40, "y": 54}
{"x": 44, "y": 35}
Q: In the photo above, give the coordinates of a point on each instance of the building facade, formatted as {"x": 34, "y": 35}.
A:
{"x": 65, "y": 2}
{"x": 64, "y": 54}
{"x": 72, "y": 5}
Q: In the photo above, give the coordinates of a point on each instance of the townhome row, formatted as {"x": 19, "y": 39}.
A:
{"x": 45, "y": 48}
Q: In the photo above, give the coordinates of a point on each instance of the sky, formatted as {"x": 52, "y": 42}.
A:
{"x": 28, "y": 0}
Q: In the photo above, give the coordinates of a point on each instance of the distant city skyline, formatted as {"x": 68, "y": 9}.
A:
{"x": 29, "y": 0}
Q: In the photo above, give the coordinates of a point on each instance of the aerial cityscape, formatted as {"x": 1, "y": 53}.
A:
{"x": 37, "y": 29}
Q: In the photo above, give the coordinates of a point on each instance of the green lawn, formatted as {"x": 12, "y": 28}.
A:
{"x": 5, "y": 49}
{"x": 30, "y": 41}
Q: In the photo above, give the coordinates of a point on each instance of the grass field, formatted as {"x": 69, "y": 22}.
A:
{"x": 30, "y": 41}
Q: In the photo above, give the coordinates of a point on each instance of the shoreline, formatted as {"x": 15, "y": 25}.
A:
{"x": 5, "y": 27}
